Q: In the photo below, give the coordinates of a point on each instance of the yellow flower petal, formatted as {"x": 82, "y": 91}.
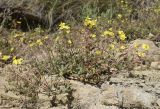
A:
{"x": 31, "y": 45}
{"x": 98, "y": 52}
{"x": 93, "y": 36}
{"x": 119, "y": 16}
{"x": 108, "y": 33}
{"x": 63, "y": 26}
{"x": 112, "y": 46}
{"x": 141, "y": 54}
{"x": 122, "y": 47}
{"x": 122, "y": 35}
{"x": 5, "y": 57}
{"x": 69, "y": 41}
{"x": 17, "y": 61}
{"x": 39, "y": 42}
{"x": 145, "y": 46}
{"x": 90, "y": 22}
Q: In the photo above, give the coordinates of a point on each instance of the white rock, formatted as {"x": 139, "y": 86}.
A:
{"x": 136, "y": 97}
{"x": 87, "y": 94}
{"x": 110, "y": 96}
{"x": 155, "y": 65}
{"x": 129, "y": 97}
{"x": 158, "y": 102}
{"x": 153, "y": 54}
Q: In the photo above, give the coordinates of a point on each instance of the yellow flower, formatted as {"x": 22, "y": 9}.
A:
{"x": 141, "y": 54}
{"x": 108, "y": 33}
{"x": 63, "y": 26}
{"x": 17, "y": 61}
{"x": 69, "y": 41}
{"x": 119, "y": 16}
{"x": 14, "y": 57}
{"x": 89, "y": 22}
{"x": 122, "y": 47}
{"x": 98, "y": 52}
{"x": 5, "y": 57}
{"x": 32, "y": 44}
{"x": 93, "y": 35}
{"x": 39, "y": 42}
{"x": 112, "y": 46}
{"x": 145, "y": 46}
{"x": 122, "y": 35}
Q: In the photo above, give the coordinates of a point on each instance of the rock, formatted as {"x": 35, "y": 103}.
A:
{"x": 158, "y": 102}
{"x": 158, "y": 91}
{"x": 136, "y": 97}
{"x": 153, "y": 54}
{"x": 155, "y": 65}
{"x": 90, "y": 97}
{"x": 110, "y": 97}
{"x": 128, "y": 97}
{"x": 139, "y": 68}
{"x": 87, "y": 95}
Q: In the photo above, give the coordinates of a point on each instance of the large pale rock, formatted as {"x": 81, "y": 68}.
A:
{"x": 158, "y": 102}
{"x": 89, "y": 97}
{"x": 86, "y": 94}
{"x": 153, "y": 54}
{"x": 155, "y": 65}
{"x": 128, "y": 97}
{"x": 135, "y": 97}
{"x": 110, "y": 96}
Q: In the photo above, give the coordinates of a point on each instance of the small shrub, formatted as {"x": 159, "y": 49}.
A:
{"x": 88, "y": 53}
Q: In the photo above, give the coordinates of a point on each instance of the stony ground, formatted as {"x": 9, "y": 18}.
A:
{"x": 137, "y": 89}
